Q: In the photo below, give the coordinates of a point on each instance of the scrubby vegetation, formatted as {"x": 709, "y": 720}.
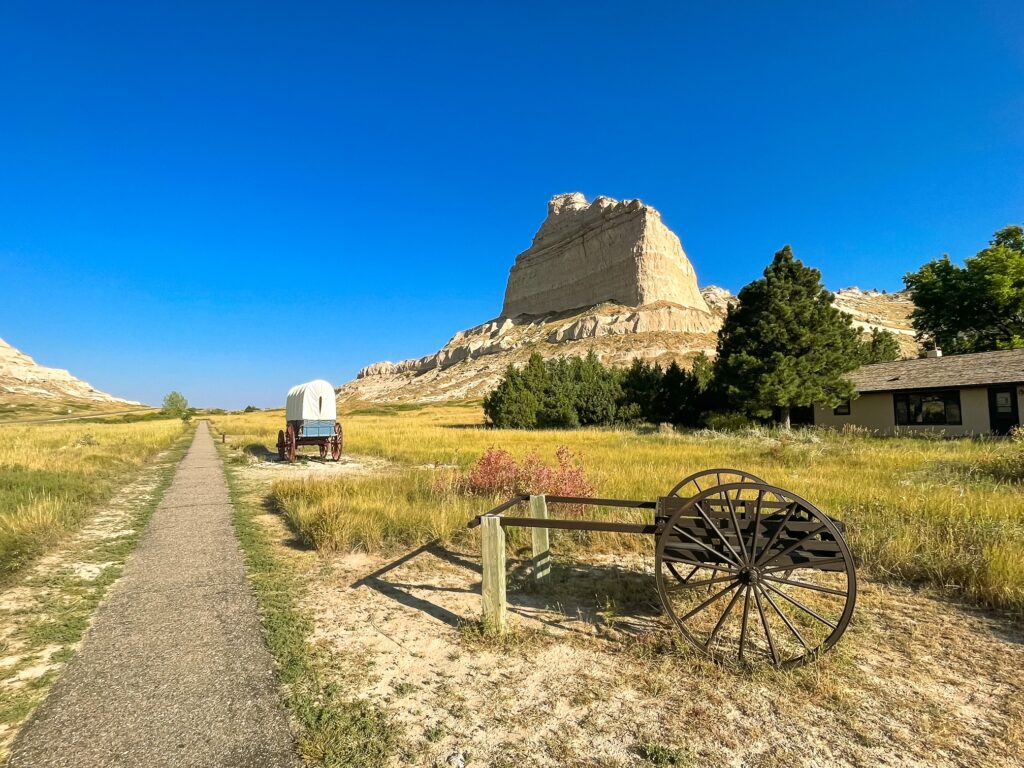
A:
{"x": 783, "y": 346}
{"x": 943, "y": 513}
{"x": 51, "y": 475}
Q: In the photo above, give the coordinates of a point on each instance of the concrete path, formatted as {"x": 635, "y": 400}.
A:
{"x": 174, "y": 671}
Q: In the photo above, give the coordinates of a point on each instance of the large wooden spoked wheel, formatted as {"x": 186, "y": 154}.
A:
{"x": 774, "y": 582}
{"x": 323, "y": 448}
{"x": 698, "y": 482}
{"x": 282, "y": 446}
{"x": 291, "y": 443}
{"x": 336, "y": 442}
{"x": 708, "y": 478}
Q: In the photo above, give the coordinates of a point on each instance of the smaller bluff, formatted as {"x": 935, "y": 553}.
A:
{"x": 587, "y": 254}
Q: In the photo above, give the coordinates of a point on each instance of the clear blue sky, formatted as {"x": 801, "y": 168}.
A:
{"x": 227, "y": 199}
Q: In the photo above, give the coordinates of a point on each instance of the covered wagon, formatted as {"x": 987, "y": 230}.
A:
{"x": 311, "y": 415}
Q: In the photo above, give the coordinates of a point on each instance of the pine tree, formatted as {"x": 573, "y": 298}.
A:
{"x": 512, "y": 404}
{"x": 784, "y": 345}
{"x": 880, "y": 347}
{"x": 640, "y": 386}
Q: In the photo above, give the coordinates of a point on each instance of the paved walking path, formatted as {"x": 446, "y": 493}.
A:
{"x": 174, "y": 671}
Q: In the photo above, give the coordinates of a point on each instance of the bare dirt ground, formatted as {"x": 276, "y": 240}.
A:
{"x": 45, "y": 610}
{"x": 590, "y": 676}
{"x": 268, "y": 468}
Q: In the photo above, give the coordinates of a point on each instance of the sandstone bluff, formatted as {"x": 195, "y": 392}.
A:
{"x": 25, "y": 383}
{"x": 589, "y": 253}
{"x": 606, "y": 276}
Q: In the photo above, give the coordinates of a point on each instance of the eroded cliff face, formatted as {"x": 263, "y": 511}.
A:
{"x": 23, "y": 380}
{"x": 587, "y": 254}
{"x": 603, "y": 277}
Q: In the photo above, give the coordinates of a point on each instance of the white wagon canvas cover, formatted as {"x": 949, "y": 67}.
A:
{"x": 312, "y": 401}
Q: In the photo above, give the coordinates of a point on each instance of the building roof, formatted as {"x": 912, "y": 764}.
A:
{"x": 972, "y": 370}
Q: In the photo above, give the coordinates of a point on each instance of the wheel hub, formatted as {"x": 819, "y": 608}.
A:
{"x": 750, "y": 575}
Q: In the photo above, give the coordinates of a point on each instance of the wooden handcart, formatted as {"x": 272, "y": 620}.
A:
{"x": 745, "y": 570}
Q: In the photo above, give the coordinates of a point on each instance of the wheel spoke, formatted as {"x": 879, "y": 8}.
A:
{"x": 795, "y": 545}
{"x": 705, "y": 582}
{"x": 805, "y": 585}
{"x": 718, "y": 530}
{"x": 673, "y": 559}
{"x": 757, "y": 520}
{"x": 702, "y": 545}
{"x": 778, "y": 531}
{"x": 803, "y": 607}
{"x": 767, "y": 629}
{"x": 817, "y": 565}
{"x": 721, "y": 620}
{"x": 736, "y": 527}
{"x": 785, "y": 619}
{"x": 709, "y": 601}
{"x": 690, "y": 574}
{"x": 746, "y": 615}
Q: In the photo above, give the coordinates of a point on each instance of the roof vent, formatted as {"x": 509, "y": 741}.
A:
{"x": 933, "y": 352}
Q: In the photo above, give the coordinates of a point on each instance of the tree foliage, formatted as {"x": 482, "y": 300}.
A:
{"x": 880, "y": 347}
{"x": 783, "y": 344}
{"x": 977, "y": 307}
{"x": 175, "y": 405}
{"x": 573, "y": 392}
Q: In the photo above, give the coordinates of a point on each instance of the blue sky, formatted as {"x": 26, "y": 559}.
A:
{"x": 227, "y": 199}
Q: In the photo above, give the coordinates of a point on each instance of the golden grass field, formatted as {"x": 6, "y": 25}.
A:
{"x": 944, "y": 513}
{"x": 51, "y": 475}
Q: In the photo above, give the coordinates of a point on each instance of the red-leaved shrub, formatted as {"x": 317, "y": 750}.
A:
{"x": 497, "y": 473}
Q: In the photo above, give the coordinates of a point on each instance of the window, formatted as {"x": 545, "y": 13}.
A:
{"x": 843, "y": 409}
{"x": 927, "y": 407}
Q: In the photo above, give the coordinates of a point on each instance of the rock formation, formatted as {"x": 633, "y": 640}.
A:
{"x": 606, "y": 277}
{"x": 589, "y": 253}
{"x": 23, "y": 381}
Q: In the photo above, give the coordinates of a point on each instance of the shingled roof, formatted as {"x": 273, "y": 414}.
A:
{"x": 973, "y": 370}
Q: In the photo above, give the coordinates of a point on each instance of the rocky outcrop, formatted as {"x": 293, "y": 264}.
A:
{"x": 603, "y": 277}
{"x": 607, "y": 251}
{"x": 22, "y": 378}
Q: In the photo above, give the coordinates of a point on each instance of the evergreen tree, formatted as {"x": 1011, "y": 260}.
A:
{"x": 784, "y": 345}
{"x": 597, "y": 391}
{"x": 559, "y": 396}
{"x": 640, "y": 386}
{"x": 880, "y": 347}
{"x": 512, "y": 404}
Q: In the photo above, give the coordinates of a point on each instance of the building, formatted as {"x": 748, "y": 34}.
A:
{"x": 974, "y": 394}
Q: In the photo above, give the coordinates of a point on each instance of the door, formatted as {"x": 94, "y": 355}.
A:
{"x": 1002, "y": 409}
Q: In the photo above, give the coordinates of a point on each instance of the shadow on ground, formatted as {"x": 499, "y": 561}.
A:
{"x": 575, "y": 597}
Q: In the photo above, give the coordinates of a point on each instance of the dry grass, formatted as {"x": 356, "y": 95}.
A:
{"x": 918, "y": 511}
{"x": 52, "y": 474}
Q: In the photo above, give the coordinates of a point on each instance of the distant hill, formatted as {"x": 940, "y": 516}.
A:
{"x": 29, "y": 390}
{"x": 607, "y": 277}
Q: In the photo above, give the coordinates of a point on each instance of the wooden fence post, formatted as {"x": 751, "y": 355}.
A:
{"x": 541, "y": 540}
{"x": 492, "y": 551}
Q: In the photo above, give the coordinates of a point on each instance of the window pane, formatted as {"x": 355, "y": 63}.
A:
{"x": 933, "y": 410}
{"x": 901, "y": 409}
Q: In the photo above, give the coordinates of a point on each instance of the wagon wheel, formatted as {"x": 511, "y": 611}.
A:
{"x": 291, "y": 443}
{"x": 323, "y": 448}
{"x": 336, "y": 442}
{"x": 282, "y": 447}
{"x": 700, "y": 481}
{"x": 743, "y": 538}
